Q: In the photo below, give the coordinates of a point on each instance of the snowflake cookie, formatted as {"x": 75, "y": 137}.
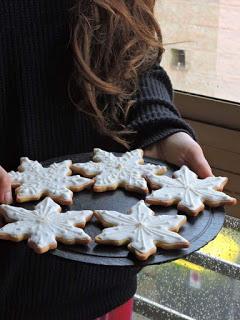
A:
{"x": 34, "y": 181}
{"x": 141, "y": 230}
{"x": 189, "y": 192}
{"x": 44, "y": 225}
{"x": 111, "y": 172}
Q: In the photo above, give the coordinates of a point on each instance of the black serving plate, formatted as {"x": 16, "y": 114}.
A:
{"x": 198, "y": 230}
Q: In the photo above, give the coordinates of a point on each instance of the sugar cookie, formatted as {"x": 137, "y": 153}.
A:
{"x": 111, "y": 172}
{"x": 141, "y": 230}
{"x": 44, "y": 225}
{"x": 188, "y": 192}
{"x": 34, "y": 181}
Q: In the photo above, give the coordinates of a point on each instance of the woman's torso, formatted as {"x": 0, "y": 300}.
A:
{"x": 37, "y": 118}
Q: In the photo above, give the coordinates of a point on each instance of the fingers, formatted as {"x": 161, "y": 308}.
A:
{"x": 196, "y": 161}
{"x": 5, "y": 187}
{"x": 180, "y": 149}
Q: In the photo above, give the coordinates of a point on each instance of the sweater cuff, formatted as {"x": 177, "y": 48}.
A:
{"x": 156, "y": 129}
{"x": 161, "y": 135}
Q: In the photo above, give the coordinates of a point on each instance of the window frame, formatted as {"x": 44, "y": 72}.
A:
{"x": 204, "y": 109}
{"x": 221, "y": 119}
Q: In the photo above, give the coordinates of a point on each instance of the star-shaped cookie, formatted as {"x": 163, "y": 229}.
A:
{"x": 111, "y": 172}
{"x": 34, "y": 181}
{"x": 44, "y": 225}
{"x": 141, "y": 230}
{"x": 188, "y": 192}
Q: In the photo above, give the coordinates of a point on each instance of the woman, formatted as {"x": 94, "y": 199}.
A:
{"x": 108, "y": 91}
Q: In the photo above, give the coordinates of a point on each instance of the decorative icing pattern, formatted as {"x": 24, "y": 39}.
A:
{"x": 111, "y": 172}
{"x": 34, "y": 181}
{"x": 188, "y": 191}
{"x": 141, "y": 229}
{"x": 44, "y": 225}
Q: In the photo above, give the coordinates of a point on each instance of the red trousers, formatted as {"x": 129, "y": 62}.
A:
{"x": 123, "y": 312}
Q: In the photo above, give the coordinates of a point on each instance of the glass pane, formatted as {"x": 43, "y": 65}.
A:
{"x": 139, "y": 317}
{"x": 225, "y": 246}
{"x": 191, "y": 290}
{"x": 202, "y": 45}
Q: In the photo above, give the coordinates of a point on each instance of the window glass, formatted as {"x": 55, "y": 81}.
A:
{"x": 191, "y": 290}
{"x": 226, "y": 246}
{"x": 202, "y": 45}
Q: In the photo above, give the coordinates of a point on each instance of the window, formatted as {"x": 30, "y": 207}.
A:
{"x": 207, "y": 33}
{"x": 204, "y": 286}
{"x": 178, "y": 59}
{"x": 202, "y": 58}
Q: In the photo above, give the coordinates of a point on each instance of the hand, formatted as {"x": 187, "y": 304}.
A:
{"x": 5, "y": 187}
{"x": 180, "y": 149}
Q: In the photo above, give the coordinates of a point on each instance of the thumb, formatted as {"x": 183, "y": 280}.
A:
{"x": 196, "y": 161}
{"x": 5, "y": 187}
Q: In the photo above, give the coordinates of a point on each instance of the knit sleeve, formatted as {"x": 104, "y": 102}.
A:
{"x": 154, "y": 117}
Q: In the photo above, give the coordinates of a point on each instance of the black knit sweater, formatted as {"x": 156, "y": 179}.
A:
{"x": 37, "y": 120}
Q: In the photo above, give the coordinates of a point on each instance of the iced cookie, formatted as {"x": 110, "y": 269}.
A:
{"x": 111, "y": 172}
{"x": 34, "y": 181}
{"x": 141, "y": 230}
{"x": 44, "y": 225}
{"x": 188, "y": 192}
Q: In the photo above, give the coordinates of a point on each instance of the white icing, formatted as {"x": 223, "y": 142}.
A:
{"x": 189, "y": 191}
{"x": 126, "y": 171}
{"x": 45, "y": 224}
{"x": 141, "y": 228}
{"x": 34, "y": 181}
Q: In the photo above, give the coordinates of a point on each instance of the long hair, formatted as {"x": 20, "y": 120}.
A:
{"x": 113, "y": 42}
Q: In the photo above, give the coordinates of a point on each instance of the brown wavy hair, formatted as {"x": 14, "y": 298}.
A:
{"x": 113, "y": 42}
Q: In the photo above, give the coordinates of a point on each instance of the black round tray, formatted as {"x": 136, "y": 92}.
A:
{"x": 198, "y": 230}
